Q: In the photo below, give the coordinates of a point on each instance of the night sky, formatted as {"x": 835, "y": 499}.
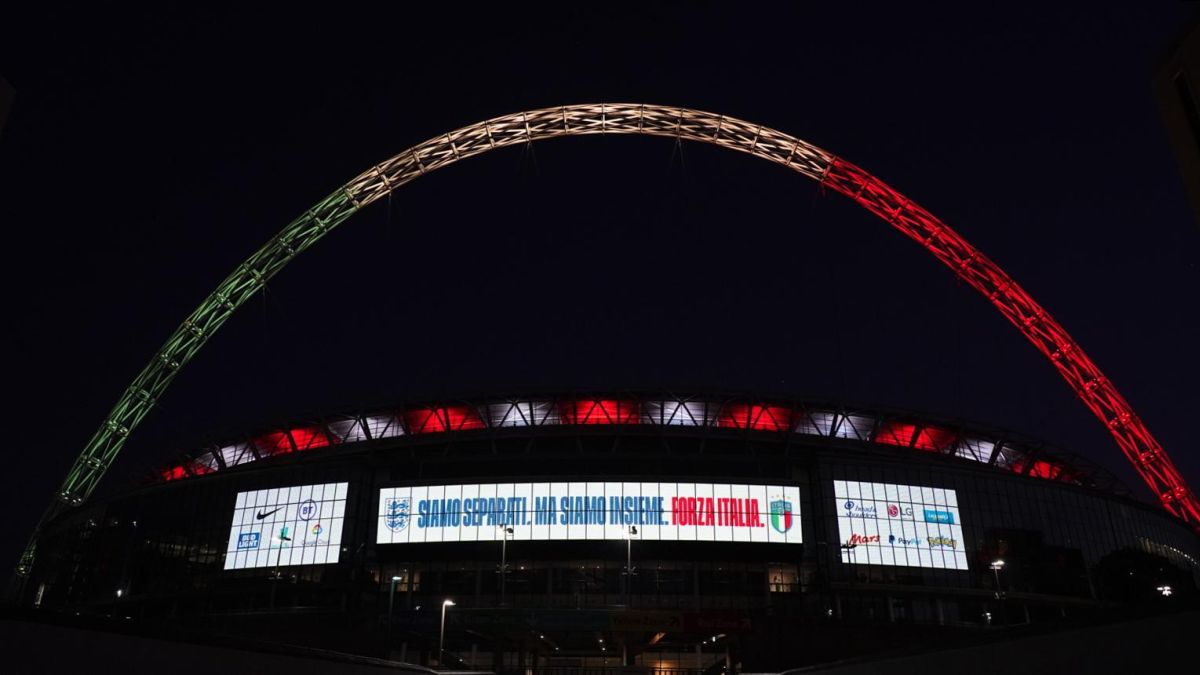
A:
{"x": 148, "y": 154}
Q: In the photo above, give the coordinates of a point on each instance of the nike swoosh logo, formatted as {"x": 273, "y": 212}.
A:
{"x": 260, "y": 515}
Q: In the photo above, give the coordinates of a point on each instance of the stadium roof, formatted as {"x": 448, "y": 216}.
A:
{"x": 903, "y": 432}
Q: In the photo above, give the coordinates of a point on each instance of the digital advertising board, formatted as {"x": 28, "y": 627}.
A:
{"x": 300, "y": 525}
{"x": 590, "y": 511}
{"x": 908, "y": 525}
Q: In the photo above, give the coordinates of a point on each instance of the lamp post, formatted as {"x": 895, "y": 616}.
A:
{"x": 629, "y": 569}
{"x": 505, "y": 533}
{"x": 849, "y": 548}
{"x": 278, "y": 555}
{"x": 391, "y": 605}
{"x": 996, "y": 566}
{"x": 442, "y": 633}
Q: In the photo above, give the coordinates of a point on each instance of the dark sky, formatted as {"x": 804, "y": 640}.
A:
{"x": 148, "y": 154}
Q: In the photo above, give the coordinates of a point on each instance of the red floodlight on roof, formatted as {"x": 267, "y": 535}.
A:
{"x": 755, "y": 416}
{"x": 309, "y": 438}
{"x": 605, "y": 411}
{"x": 449, "y": 418}
{"x": 274, "y": 443}
{"x": 910, "y": 435}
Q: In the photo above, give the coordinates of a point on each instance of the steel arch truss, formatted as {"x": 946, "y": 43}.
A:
{"x": 1134, "y": 439}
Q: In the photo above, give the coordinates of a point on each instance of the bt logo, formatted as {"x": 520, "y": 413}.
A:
{"x": 307, "y": 509}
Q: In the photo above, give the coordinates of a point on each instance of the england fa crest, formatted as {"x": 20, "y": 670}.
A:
{"x": 396, "y": 513}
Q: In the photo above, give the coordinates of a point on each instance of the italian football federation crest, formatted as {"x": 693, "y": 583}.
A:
{"x": 397, "y": 513}
{"x": 781, "y": 515}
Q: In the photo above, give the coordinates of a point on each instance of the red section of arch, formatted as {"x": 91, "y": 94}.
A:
{"x": 985, "y": 276}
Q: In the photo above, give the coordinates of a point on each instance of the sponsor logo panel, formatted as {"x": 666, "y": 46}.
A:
{"x": 298, "y": 525}
{"x": 878, "y": 526}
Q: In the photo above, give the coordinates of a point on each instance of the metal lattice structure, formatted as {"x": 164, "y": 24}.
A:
{"x": 1095, "y": 390}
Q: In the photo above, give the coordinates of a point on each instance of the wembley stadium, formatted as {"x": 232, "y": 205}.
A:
{"x": 683, "y": 532}
{"x": 577, "y": 533}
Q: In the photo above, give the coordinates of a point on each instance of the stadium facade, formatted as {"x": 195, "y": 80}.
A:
{"x": 671, "y": 532}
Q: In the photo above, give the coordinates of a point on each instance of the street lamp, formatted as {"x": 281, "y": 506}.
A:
{"x": 629, "y": 568}
{"x": 996, "y": 566}
{"x": 442, "y": 634}
{"x": 391, "y": 605}
{"x": 851, "y": 558}
{"x": 1166, "y": 591}
{"x": 505, "y": 533}
{"x": 278, "y": 555}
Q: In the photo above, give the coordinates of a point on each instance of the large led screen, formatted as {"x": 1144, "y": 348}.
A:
{"x": 299, "y": 525}
{"x": 886, "y": 524}
{"x": 591, "y": 510}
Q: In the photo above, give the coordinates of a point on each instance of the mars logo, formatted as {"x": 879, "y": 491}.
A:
{"x": 396, "y": 513}
{"x": 781, "y": 515}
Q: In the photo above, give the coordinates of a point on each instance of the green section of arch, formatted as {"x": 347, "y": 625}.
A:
{"x": 141, "y": 396}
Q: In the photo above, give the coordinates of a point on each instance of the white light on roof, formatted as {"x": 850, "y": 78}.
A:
{"x": 542, "y": 413}
{"x": 857, "y": 427}
{"x": 508, "y": 414}
{"x": 975, "y": 449}
{"x": 815, "y": 423}
{"x": 383, "y": 426}
{"x": 349, "y": 431}
{"x": 238, "y": 453}
{"x": 676, "y": 413}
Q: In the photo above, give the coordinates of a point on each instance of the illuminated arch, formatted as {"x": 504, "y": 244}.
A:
{"x": 1095, "y": 390}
